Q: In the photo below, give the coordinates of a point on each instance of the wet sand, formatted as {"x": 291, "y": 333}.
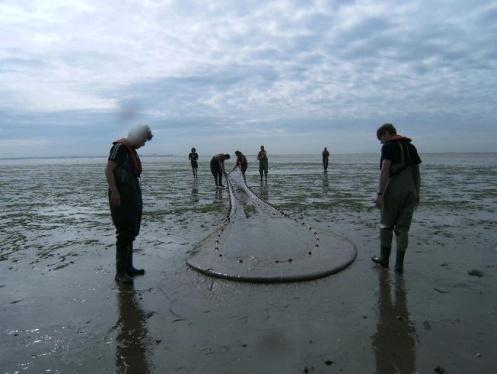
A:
{"x": 61, "y": 310}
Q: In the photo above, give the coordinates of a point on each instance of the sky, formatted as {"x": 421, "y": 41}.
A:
{"x": 294, "y": 75}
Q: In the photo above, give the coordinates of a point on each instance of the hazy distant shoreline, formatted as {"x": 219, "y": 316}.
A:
{"x": 209, "y": 155}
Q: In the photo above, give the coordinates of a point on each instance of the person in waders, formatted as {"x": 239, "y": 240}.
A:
{"x": 193, "y": 157}
{"x": 241, "y": 162}
{"x": 326, "y": 155}
{"x": 263, "y": 163}
{"x": 217, "y": 168}
{"x": 398, "y": 193}
{"x": 125, "y": 198}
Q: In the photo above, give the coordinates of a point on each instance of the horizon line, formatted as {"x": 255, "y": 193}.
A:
{"x": 183, "y": 155}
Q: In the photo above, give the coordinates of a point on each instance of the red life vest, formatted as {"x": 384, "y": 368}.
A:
{"x": 399, "y": 138}
{"x": 136, "y": 164}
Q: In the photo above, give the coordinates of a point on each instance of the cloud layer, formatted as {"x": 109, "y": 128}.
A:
{"x": 248, "y": 71}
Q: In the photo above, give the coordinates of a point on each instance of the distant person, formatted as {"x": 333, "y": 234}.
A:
{"x": 217, "y": 167}
{"x": 125, "y": 197}
{"x": 263, "y": 163}
{"x": 241, "y": 162}
{"x": 326, "y": 156}
{"x": 398, "y": 192}
{"x": 193, "y": 157}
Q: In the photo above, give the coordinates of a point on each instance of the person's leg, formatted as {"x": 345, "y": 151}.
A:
{"x": 130, "y": 269}
{"x": 261, "y": 171}
{"x": 220, "y": 176}
{"x": 244, "y": 169}
{"x": 402, "y": 230}
{"x": 387, "y": 223}
{"x": 123, "y": 244}
{"x": 194, "y": 168}
{"x": 120, "y": 218}
{"x": 325, "y": 162}
{"x": 214, "y": 168}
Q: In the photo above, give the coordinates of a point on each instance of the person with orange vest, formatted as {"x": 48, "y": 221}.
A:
{"x": 398, "y": 193}
{"x": 123, "y": 172}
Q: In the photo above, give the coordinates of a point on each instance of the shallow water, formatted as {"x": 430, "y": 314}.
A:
{"x": 61, "y": 311}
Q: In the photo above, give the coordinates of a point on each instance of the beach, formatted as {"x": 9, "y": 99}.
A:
{"x": 62, "y": 312}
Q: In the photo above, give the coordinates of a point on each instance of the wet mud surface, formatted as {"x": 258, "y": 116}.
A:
{"x": 62, "y": 312}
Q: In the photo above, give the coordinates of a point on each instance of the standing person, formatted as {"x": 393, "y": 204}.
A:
{"x": 241, "y": 162}
{"x": 217, "y": 167}
{"x": 398, "y": 192}
{"x": 263, "y": 163}
{"x": 193, "y": 157}
{"x": 326, "y": 156}
{"x": 123, "y": 176}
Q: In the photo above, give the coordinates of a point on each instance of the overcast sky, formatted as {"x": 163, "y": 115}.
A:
{"x": 294, "y": 75}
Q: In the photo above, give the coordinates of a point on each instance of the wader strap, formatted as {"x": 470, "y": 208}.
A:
{"x": 403, "y": 164}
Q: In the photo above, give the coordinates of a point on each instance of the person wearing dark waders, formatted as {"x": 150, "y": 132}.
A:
{"x": 241, "y": 162}
{"x": 325, "y": 155}
{"x": 263, "y": 163}
{"x": 398, "y": 193}
{"x": 123, "y": 176}
{"x": 193, "y": 157}
{"x": 217, "y": 168}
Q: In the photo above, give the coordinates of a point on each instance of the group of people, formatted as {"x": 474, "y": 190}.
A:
{"x": 217, "y": 164}
{"x": 397, "y": 195}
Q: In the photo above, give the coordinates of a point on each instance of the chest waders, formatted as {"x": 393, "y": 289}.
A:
{"x": 127, "y": 219}
{"x": 399, "y": 202}
{"x": 325, "y": 162}
{"x": 217, "y": 172}
{"x": 263, "y": 167}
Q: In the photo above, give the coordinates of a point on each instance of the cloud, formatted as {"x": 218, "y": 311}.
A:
{"x": 250, "y": 68}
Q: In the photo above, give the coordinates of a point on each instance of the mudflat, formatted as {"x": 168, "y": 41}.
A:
{"x": 60, "y": 309}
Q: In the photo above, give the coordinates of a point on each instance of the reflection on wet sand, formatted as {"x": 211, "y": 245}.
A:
{"x": 131, "y": 347}
{"x": 219, "y": 195}
{"x": 264, "y": 193}
{"x": 326, "y": 183}
{"x": 195, "y": 198}
{"x": 394, "y": 342}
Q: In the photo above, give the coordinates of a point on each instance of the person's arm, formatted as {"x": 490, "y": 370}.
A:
{"x": 383, "y": 181}
{"x": 417, "y": 181}
{"x": 115, "y": 197}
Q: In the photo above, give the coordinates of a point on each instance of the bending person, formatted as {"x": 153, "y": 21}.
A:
{"x": 217, "y": 167}
{"x": 241, "y": 162}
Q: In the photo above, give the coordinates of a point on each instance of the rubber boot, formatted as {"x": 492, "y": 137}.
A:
{"x": 121, "y": 263}
{"x": 383, "y": 258}
{"x": 131, "y": 270}
{"x": 399, "y": 261}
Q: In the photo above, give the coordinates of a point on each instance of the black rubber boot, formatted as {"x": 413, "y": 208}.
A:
{"x": 383, "y": 258}
{"x": 399, "y": 262}
{"x": 131, "y": 270}
{"x": 121, "y": 263}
